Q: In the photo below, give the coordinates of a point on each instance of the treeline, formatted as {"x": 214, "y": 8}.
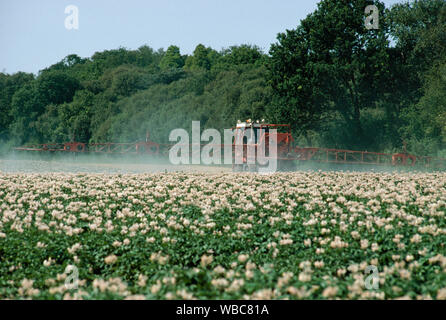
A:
{"x": 118, "y": 95}
{"x": 337, "y": 83}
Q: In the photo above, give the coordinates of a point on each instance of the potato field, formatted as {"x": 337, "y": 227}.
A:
{"x": 299, "y": 235}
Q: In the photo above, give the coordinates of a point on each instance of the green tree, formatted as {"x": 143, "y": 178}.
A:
{"x": 124, "y": 80}
{"x": 26, "y": 105}
{"x": 202, "y": 59}
{"x": 243, "y": 54}
{"x": 56, "y": 87}
{"x": 172, "y": 59}
{"x": 417, "y": 28}
{"x": 9, "y": 84}
{"x": 331, "y": 64}
{"x": 425, "y": 128}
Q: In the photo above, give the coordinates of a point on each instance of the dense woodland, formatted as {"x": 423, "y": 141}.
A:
{"x": 337, "y": 83}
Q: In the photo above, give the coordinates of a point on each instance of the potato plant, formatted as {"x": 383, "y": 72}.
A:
{"x": 301, "y": 235}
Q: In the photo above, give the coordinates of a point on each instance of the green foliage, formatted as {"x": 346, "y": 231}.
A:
{"x": 330, "y": 63}
{"x": 165, "y": 225}
{"x": 414, "y": 25}
{"x": 172, "y": 59}
{"x": 426, "y": 121}
{"x": 332, "y": 79}
{"x": 418, "y": 28}
{"x": 202, "y": 59}
{"x": 56, "y": 87}
{"x": 163, "y": 107}
{"x": 119, "y": 94}
{"x": 9, "y": 84}
{"x": 124, "y": 80}
{"x": 238, "y": 57}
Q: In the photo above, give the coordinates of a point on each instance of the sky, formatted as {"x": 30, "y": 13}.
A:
{"x": 33, "y": 34}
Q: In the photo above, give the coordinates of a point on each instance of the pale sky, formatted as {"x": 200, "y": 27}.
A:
{"x": 33, "y": 34}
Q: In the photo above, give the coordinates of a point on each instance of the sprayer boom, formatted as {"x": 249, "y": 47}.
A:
{"x": 288, "y": 155}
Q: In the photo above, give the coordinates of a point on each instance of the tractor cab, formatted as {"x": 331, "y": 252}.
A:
{"x": 249, "y": 131}
{"x": 256, "y": 135}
